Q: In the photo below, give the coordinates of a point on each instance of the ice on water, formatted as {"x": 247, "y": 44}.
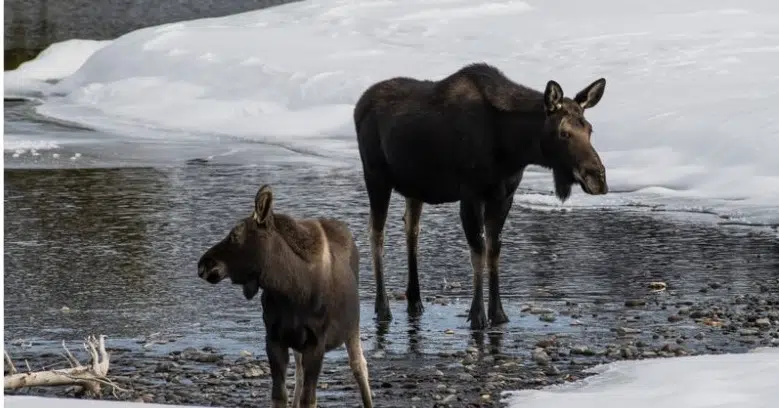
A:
{"x": 688, "y": 120}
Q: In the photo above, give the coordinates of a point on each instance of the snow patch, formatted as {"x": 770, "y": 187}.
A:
{"x": 707, "y": 381}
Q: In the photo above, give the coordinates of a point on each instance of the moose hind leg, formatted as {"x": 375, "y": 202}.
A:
{"x": 359, "y": 368}
{"x": 298, "y": 379}
{"x": 379, "y": 194}
{"x": 411, "y": 220}
{"x": 278, "y": 359}
{"x": 312, "y": 367}
{"x": 472, "y": 218}
{"x": 495, "y": 213}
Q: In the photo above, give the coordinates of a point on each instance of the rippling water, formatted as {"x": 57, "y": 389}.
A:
{"x": 118, "y": 248}
{"x": 104, "y": 249}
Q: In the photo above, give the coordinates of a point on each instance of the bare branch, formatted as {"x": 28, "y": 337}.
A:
{"x": 90, "y": 377}
{"x": 9, "y": 363}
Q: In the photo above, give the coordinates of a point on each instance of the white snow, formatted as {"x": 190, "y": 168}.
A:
{"x": 709, "y": 381}
{"x": 42, "y": 402}
{"x": 53, "y": 63}
{"x": 688, "y": 120}
{"x": 22, "y": 143}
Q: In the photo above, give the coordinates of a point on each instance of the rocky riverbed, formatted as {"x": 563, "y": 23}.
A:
{"x": 659, "y": 323}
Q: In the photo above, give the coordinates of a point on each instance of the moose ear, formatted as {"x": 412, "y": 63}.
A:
{"x": 553, "y": 96}
{"x": 590, "y": 96}
{"x": 263, "y": 204}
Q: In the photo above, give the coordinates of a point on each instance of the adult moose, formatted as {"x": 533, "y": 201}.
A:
{"x": 468, "y": 138}
{"x": 308, "y": 270}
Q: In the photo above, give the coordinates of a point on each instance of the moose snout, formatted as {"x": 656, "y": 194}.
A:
{"x": 211, "y": 270}
{"x": 592, "y": 180}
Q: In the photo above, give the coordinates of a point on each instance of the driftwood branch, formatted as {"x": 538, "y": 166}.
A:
{"x": 9, "y": 363}
{"x": 88, "y": 376}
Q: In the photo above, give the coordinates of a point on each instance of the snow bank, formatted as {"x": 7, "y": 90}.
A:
{"x": 722, "y": 381}
{"x": 33, "y": 78}
{"x": 41, "y": 402}
{"x": 688, "y": 119}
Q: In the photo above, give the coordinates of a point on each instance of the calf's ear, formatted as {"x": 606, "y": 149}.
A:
{"x": 263, "y": 203}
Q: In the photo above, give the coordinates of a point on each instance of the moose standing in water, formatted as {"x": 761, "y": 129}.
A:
{"x": 468, "y": 138}
{"x": 309, "y": 273}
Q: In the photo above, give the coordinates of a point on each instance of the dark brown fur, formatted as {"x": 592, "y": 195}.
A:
{"x": 309, "y": 273}
{"x": 468, "y": 138}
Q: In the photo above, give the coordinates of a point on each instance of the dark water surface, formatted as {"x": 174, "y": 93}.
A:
{"x": 117, "y": 248}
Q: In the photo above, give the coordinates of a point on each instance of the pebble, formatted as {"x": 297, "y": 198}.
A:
{"x": 547, "y": 317}
{"x": 541, "y": 357}
{"x": 748, "y": 332}
{"x": 622, "y": 331}
{"x": 582, "y": 350}
{"x": 763, "y": 322}
{"x": 635, "y": 302}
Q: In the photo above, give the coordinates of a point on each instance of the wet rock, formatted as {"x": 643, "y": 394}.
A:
{"x": 552, "y": 370}
{"x": 629, "y": 352}
{"x": 166, "y": 366}
{"x": 540, "y": 310}
{"x": 748, "y": 332}
{"x": 623, "y": 331}
{"x": 448, "y": 399}
{"x": 657, "y": 286}
{"x": 675, "y": 318}
{"x": 635, "y": 302}
{"x": 253, "y": 372}
{"x": 547, "y": 343}
{"x": 540, "y": 357}
{"x": 465, "y": 377}
{"x": 547, "y": 317}
{"x": 582, "y": 350}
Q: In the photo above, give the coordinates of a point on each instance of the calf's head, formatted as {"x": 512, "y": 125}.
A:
{"x": 242, "y": 254}
{"x": 566, "y": 144}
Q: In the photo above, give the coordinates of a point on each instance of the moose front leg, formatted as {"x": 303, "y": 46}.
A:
{"x": 495, "y": 213}
{"x": 278, "y": 359}
{"x": 472, "y": 216}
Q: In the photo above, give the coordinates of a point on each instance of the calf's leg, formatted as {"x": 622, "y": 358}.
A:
{"x": 312, "y": 366}
{"x": 379, "y": 194}
{"x": 359, "y": 368}
{"x": 495, "y": 213}
{"x": 298, "y": 380}
{"x": 278, "y": 359}
{"x": 472, "y": 218}
{"x": 411, "y": 220}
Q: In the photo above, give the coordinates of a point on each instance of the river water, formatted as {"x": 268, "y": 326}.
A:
{"x": 103, "y": 236}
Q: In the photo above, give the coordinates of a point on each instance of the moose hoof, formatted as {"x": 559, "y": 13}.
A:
{"x": 478, "y": 320}
{"x": 498, "y": 318}
{"x": 383, "y": 314}
{"x": 415, "y": 308}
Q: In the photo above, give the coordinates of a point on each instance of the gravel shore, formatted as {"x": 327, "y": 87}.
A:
{"x": 657, "y": 324}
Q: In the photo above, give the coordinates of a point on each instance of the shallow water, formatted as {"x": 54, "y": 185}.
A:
{"x": 116, "y": 242}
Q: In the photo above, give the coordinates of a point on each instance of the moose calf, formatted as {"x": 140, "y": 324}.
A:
{"x": 308, "y": 271}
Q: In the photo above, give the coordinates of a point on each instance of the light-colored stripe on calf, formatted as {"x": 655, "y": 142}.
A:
{"x": 325, "y": 257}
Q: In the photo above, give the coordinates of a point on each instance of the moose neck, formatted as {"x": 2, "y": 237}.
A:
{"x": 285, "y": 269}
{"x": 521, "y": 136}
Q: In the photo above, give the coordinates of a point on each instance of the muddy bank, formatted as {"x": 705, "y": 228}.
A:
{"x": 655, "y": 324}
